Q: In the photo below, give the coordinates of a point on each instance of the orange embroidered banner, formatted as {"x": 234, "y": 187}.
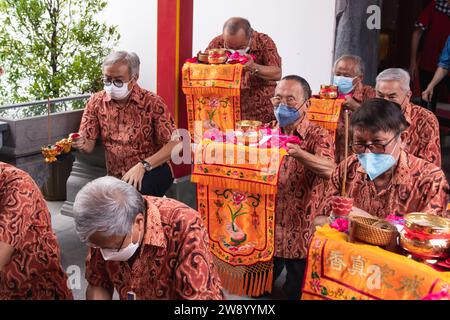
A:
{"x": 326, "y": 113}
{"x": 339, "y": 270}
{"x": 212, "y": 96}
{"x": 237, "y": 203}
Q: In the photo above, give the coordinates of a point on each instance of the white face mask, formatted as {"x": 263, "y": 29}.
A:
{"x": 123, "y": 255}
{"x": 117, "y": 93}
{"x": 240, "y": 51}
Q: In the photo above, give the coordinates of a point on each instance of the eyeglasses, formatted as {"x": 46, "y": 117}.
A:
{"x": 108, "y": 82}
{"x": 373, "y": 147}
{"x": 97, "y": 247}
{"x": 290, "y": 102}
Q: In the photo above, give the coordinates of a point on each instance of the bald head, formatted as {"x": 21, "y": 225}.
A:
{"x": 235, "y": 25}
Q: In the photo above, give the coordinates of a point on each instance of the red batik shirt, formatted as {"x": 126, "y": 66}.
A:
{"x": 34, "y": 271}
{"x": 255, "y": 101}
{"x": 361, "y": 94}
{"x": 416, "y": 186}
{"x": 299, "y": 190}
{"x": 173, "y": 263}
{"x": 130, "y": 134}
{"x": 423, "y": 134}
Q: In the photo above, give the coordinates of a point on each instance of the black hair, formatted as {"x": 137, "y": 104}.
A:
{"x": 379, "y": 115}
{"x": 233, "y": 25}
{"x": 305, "y": 85}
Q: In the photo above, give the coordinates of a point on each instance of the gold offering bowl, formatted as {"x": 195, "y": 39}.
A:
{"x": 203, "y": 57}
{"x": 50, "y": 154}
{"x": 65, "y": 145}
{"x": 328, "y": 92}
{"x": 249, "y": 131}
{"x": 217, "y": 56}
{"x": 248, "y": 126}
{"x": 426, "y": 236}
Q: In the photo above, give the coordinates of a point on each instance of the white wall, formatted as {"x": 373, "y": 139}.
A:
{"x": 137, "y": 24}
{"x": 303, "y": 31}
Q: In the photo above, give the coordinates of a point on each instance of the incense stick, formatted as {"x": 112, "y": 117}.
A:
{"x": 49, "y": 122}
{"x": 344, "y": 179}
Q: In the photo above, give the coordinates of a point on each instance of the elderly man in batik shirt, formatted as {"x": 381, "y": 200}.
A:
{"x": 422, "y": 138}
{"x": 146, "y": 248}
{"x": 382, "y": 177}
{"x": 301, "y": 180}
{"x": 30, "y": 259}
{"x": 134, "y": 124}
{"x": 348, "y": 77}
{"x": 265, "y": 70}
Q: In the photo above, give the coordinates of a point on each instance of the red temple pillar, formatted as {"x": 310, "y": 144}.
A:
{"x": 175, "y": 29}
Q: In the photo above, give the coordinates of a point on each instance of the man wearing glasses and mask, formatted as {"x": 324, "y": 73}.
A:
{"x": 134, "y": 124}
{"x": 146, "y": 248}
{"x": 238, "y": 36}
{"x": 382, "y": 177}
{"x": 301, "y": 180}
{"x": 422, "y": 139}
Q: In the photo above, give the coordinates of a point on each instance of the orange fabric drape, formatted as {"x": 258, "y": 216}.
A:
{"x": 237, "y": 203}
{"x": 326, "y": 113}
{"x": 339, "y": 270}
{"x": 212, "y": 95}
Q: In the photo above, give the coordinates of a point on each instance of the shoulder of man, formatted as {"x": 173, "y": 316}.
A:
{"x": 263, "y": 38}
{"x": 215, "y": 41}
{"x": 173, "y": 211}
{"x": 9, "y": 173}
{"x": 423, "y": 169}
{"x": 423, "y": 113}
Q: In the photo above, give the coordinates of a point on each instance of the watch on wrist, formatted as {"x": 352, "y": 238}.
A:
{"x": 147, "y": 166}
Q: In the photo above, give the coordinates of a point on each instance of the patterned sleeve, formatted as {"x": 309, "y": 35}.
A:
{"x": 424, "y": 19}
{"x": 323, "y": 144}
{"x": 96, "y": 274}
{"x": 90, "y": 127}
{"x": 270, "y": 52}
{"x": 332, "y": 189}
{"x": 162, "y": 121}
{"x": 430, "y": 148}
{"x": 433, "y": 190}
{"x": 196, "y": 275}
{"x": 18, "y": 201}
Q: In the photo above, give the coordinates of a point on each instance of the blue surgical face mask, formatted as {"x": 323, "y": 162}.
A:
{"x": 376, "y": 164}
{"x": 345, "y": 84}
{"x": 286, "y": 115}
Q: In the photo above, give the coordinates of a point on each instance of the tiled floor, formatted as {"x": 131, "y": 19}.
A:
{"x": 74, "y": 252}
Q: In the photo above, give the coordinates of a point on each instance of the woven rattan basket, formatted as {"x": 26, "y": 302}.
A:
{"x": 372, "y": 231}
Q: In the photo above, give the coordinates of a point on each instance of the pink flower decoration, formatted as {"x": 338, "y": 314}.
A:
{"x": 443, "y": 295}
{"x": 394, "y": 219}
{"x": 340, "y": 225}
{"x": 192, "y": 60}
{"x": 238, "y": 198}
{"x": 214, "y": 103}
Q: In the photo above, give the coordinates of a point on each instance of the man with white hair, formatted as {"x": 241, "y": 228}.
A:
{"x": 146, "y": 248}
{"x": 134, "y": 124}
{"x": 348, "y": 77}
{"x": 423, "y": 139}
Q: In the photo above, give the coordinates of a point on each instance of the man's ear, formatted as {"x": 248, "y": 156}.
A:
{"x": 140, "y": 219}
{"x": 358, "y": 79}
{"x": 404, "y": 138}
{"x": 410, "y": 94}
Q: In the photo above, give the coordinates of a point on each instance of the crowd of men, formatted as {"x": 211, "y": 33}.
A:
{"x": 146, "y": 246}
